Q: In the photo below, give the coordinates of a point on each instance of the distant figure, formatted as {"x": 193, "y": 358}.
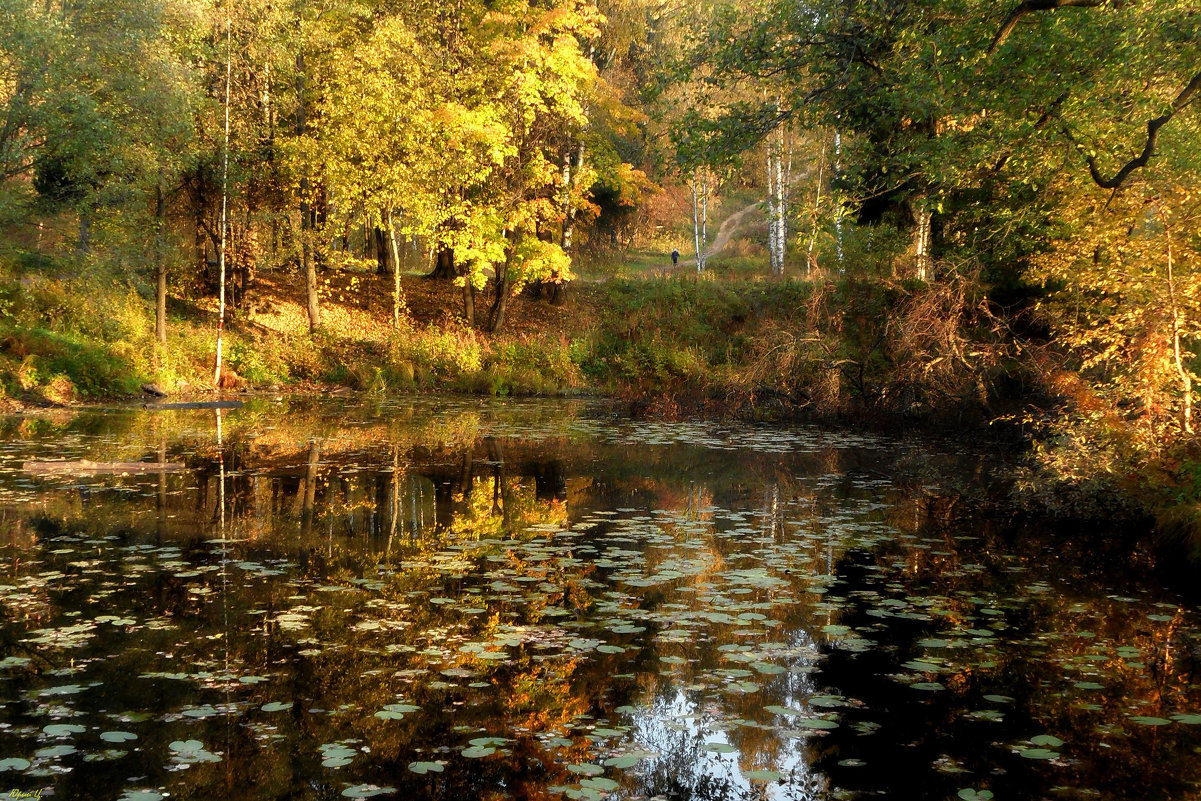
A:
{"x": 675, "y": 257}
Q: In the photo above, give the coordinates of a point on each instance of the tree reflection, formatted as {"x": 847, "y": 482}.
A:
{"x": 716, "y": 622}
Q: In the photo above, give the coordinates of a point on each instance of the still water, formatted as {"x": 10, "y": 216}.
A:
{"x": 452, "y": 599}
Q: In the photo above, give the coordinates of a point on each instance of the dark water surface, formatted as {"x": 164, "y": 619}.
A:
{"x": 450, "y": 599}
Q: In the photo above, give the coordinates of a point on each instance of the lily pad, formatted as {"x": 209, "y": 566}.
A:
{"x": 1049, "y": 740}
{"x": 586, "y": 769}
{"x": 1037, "y": 753}
{"x": 478, "y": 751}
{"x": 971, "y": 794}
{"x": 367, "y": 791}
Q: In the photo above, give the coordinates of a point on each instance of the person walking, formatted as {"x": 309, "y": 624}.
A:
{"x": 675, "y": 257}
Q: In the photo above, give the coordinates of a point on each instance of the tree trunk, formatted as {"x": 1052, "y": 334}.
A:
{"x": 811, "y": 260}
{"x": 469, "y": 300}
{"x": 569, "y": 207}
{"x": 444, "y": 267}
{"x": 84, "y": 245}
{"x": 308, "y": 263}
{"x": 160, "y": 267}
{"x": 700, "y": 217}
{"x": 397, "y": 298}
{"x": 379, "y": 236}
{"x": 1186, "y": 378}
{"x": 921, "y": 239}
{"x": 496, "y": 319}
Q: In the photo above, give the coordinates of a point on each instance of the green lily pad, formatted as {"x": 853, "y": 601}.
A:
{"x": 601, "y": 783}
{"x": 54, "y": 751}
{"x": 817, "y": 723}
{"x": 13, "y": 763}
{"x": 970, "y": 794}
{"x": 1047, "y": 740}
{"x": 478, "y": 751}
{"x": 1037, "y": 753}
{"x": 586, "y": 769}
{"x": 367, "y": 791}
{"x": 426, "y": 767}
{"x": 763, "y": 775}
{"x": 117, "y": 736}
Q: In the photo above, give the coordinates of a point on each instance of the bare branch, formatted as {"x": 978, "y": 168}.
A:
{"x": 1031, "y": 6}
{"x": 1183, "y": 99}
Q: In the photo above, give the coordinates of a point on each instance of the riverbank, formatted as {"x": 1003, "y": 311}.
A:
{"x": 869, "y": 353}
{"x": 666, "y": 343}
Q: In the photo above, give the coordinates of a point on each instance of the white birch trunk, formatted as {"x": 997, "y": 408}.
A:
{"x": 700, "y": 216}
{"x": 229, "y": 27}
{"x": 838, "y": 215}
{"x": 772, "y": 196}
{"x": 921, "y": 241}
{"x": 704, "y": 254}
{"x": 696, "y": 220}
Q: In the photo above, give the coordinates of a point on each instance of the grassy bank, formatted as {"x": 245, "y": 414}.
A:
{"x": 899, "y": 354}
{"x": 72, "y": 336}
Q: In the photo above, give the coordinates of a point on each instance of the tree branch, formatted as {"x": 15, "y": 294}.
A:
{"x": 1183, "y": 99}
{"x": 1029, "y": 7}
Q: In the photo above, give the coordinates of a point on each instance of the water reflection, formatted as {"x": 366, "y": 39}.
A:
{"x": 460, "y": 600}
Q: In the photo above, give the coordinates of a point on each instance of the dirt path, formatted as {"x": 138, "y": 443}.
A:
{"x": 725, "y": 233}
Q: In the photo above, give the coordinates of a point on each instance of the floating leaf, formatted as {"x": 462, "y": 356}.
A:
{"x": 367, "y": 791}
{"x": 1037, "y": 753}
{"x": 605, "y": 785}
{"x": 117, "y": 736}
{"x": 478, "y": 751}
{"x": 54, "y": 751}
{"x": 13, "y": 763}
{"x": 1046, "y": 739}
{"x": 817, "y": 723}
{"x": 586, "y": 769}
{"x": 425, "y": 767}
{"x": 970, "y": 794}
{"x": 763, "y": 775}
{"x": 277, "y": 706}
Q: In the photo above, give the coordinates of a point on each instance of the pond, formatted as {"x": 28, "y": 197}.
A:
{"x": 458, "y": 599}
